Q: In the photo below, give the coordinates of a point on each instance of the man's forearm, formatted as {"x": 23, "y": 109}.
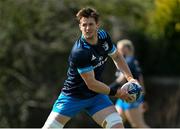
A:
{"x": 98, "y": 87}
{"x": 121, "y": 64}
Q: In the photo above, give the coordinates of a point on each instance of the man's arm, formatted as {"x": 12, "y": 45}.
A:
{"x": 94, "y": 84}
{"x": 100, "y": 87}
{"x": 121, "y": 64}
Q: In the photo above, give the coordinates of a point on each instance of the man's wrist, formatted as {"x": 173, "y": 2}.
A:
{"x": 113, "y": 91}
{"x": 115, "y": 84}
{"x": 129, "y": 78}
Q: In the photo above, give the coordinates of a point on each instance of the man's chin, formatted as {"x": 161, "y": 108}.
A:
{"x": 89, "y": 37}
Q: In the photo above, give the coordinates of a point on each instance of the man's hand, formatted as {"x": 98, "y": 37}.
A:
{"x": 122, "y": 93}
{"x": 134, "y": 81}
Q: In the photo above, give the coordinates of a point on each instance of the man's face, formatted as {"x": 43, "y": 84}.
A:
{"x": 88, "y": 27}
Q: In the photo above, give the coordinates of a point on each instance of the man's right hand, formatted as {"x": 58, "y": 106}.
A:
{"x": 122, "y": 93}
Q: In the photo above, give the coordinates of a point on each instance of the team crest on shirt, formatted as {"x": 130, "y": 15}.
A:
{"x": 105, "y": 46}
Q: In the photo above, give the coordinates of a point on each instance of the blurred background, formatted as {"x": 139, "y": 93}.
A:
{"x": 36, "y": 37}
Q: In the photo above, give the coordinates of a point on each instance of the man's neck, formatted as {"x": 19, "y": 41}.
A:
{"x": 93, "y": 40}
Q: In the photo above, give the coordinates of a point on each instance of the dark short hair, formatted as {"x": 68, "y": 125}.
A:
{"x": 88, "y": 12}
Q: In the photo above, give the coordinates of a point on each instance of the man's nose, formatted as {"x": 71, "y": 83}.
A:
{"x": 88, "y": 27}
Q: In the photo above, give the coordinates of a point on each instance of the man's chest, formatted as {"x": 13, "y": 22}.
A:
{"x": 99, "y": 54}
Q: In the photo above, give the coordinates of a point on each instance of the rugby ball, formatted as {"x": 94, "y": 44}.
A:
{"x": 134, "y": 90}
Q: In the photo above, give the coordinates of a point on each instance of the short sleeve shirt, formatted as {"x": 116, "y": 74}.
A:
{"x": 83, "y": 58}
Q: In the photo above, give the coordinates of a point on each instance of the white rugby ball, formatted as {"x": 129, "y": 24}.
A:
{"x": 134, "y": 90}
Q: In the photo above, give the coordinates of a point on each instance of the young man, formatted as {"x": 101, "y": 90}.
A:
{"x": 84, "y": 89}
{"x": 133, "y": 112}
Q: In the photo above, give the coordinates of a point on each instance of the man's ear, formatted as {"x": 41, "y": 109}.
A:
{"x": 98, "y": 25}
{"x": 79, "y": 26}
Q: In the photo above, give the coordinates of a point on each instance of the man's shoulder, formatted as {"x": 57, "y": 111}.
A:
{"x": 80, "y": 47}
{"x": 81, "y": 44}
{"x": 132, "y": 60}
{"x": 102, "y": 34}
{"x": 129, "y": 59}
{"x": 80, "y": 50}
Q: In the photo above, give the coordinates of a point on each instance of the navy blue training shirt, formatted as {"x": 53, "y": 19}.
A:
{"x": 133, "y": 66}
{"x": 83, "y": 58}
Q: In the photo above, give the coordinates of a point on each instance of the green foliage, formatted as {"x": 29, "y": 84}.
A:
{"x": 37, "y": 35}
{"x": 164, "y": 34}
{"x": 165, "y": 18}
{"x": 31, "y": 55}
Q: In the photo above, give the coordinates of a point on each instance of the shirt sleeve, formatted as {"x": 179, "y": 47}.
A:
{"x": 82, "y": 60}
{"x": 112, "y": 48}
